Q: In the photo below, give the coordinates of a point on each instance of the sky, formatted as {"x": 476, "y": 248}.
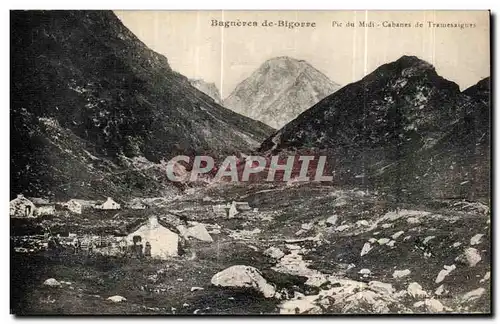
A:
{"x": 226, "y": 56}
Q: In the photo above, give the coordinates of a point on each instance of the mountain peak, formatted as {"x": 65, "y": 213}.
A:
{"x": 411, "y": 60}
{"x": 279, "y": 90}
{"x": 209, "y": 88}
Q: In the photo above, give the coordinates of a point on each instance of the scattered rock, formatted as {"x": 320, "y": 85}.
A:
{"x": 196, "y": 288}
{"x": 470, "y": 256}
{"x": 391, "y": 243}
{"x": 413, "y": 220}
{"x": 416, "y": 291}
{"x": 387, "y": 225}
{"x": 362, "y": 222}
{"x": 243, "y": 276}
{"x": 366, "y": 248}
{"x": 406, "y": 238}
{"x": 433, "y": 305}
{"x": 307, "y": 226}
{"x": 117, "y": 299}
{"x": 339, "y": 202}
{"x": 185, "y": 305}
{"x": 419, "y": 304}
{"x": 274, "y": 253}
{"x": 253, "y": 247}
{"x": 428, "y": 238}
{"x": 293, "y": 247}
{"x": 443, "y": 273}
{"x": 364, "y": 271}
{"x": 476, "y": 239}
{"x": 51, "y": 282}
{"x": 383, "y": 241}
{"x": 440, "y": 290}
{"x": 381, "y": 287}
{"x": 372, "y": 240}
{"x": 341, "y": 228}
{"x": 300, "y": 232}
{"x": 457, "y": 244}
{"x": 199, "y": 232}
{"x": 300, "y": 304}
{"x": 486, "y": 277}
{"x": 397, "y": 234}
{"x": 473, "y": 295}
{"x": 401, "y": 273}
{"x": 332, "y": 220}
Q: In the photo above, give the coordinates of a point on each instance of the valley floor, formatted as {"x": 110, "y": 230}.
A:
{"x": 322, "y": 249}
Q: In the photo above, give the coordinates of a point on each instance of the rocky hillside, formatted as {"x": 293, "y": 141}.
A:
{"x": 279, "y": 90}
{"x": 208, "y": 88}
{"x": 403, "y": 128}
{"x": 88, "y": 99}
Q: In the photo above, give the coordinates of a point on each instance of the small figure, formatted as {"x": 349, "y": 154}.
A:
{"x": 137, "y": 239}
{"x": 147, "y": 250}
{"x": 76, "y": 245}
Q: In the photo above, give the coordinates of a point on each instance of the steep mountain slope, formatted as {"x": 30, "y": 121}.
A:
{"x": 403, "y": 128}
{"x": 208, "y": 88}
{"x": 108, "y": 99}
{"x": 279, "y": 90}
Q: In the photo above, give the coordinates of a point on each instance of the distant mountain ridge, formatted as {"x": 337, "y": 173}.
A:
{"x": 208, "y": 88}
{"x": 402, "y": 126}
{"x": 279, "y": 90}
{"x": 88, "y": 98}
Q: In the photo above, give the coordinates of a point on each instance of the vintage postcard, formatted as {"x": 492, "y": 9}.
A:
{"x": 250, "y": 162}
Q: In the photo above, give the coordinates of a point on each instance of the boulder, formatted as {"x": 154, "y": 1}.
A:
{"x": 486, "y": 277}
{"x": 364, "y": 271}
{"x": 332, "y": 220}
{"x": 381, "y": 287}
{"x": 362, "y": 222}
{"x": 397, "y": 234}
{"x": 199, "y": 232}
{"x": 443, "y": 273}
{"x": 440, "y": 290}
{"x": 342, "y": 228}
{"x": 300, "y": 305}
{"x": 243, "y": 276}
{"x": 476, "y": 239}
{"x": 366, "y": 248}
{"x": 473, "y": 295}
{"x": 383, "y": 241}
{"x": 428, "y": 238}
{"x": 274, "y": 252}
{"x": 51, "y": 282}
{"x": 470, "y": 256}
{"x": 416, "y": 291}
{"x": 401, "y": 273}
{"x": 117, "y": 299}
{"x": 433, "y": 305}
{"x": 196, "y": 288}
{"x": 307, "y": 226}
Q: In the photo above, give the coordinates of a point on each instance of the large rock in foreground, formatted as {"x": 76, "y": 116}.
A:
{"x": 245, "y": 277}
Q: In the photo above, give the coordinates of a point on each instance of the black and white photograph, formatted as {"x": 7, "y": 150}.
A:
{"x": 225, "y": 162}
